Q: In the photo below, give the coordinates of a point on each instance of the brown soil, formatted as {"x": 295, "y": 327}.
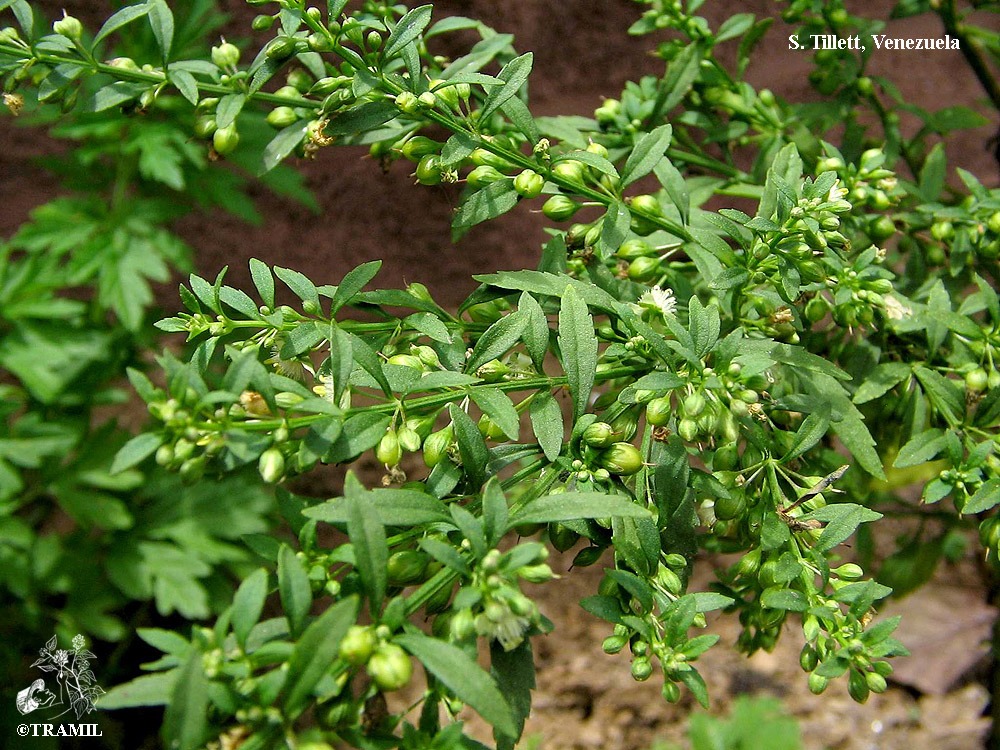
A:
{"x": 582, "y": 53}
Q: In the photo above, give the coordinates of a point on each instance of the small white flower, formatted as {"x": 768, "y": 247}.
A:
{"x": 661, "y": 300}
{"x": 896, "y": 310}
{"x": 509, "y": 629}
{"x": 78, "y": 642}
{"x": 837, "y": 193}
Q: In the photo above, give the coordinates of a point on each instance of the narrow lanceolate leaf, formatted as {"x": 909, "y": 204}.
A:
{"x": 547, "y": 422}
{"x": 495, "y": 512}
{"x": 124, "y": 16}
{"x": 466, "y": 679}
{"x": 493, "y": 200}
{"x": 471, "y": 446}
{"x": 497, "y": 406}
{"x": 185, "y": 724}
{"x": 282, "y": 145}
{"x": 135, "y": 451}
{"x": 371, "y": 553}
{"x": 315, "y": 651}
{"x": 248, "y": 603}
{"x": 614, "y": 228}
{"x": 354, "y": 281}
{"x": 647, "y": 154}
{"x": 294, "y": 588}
{"x": 407, "y": 30}
{"x": 568, "y": 506}
{"x": 161, "y": 20}
{"x": 842, "y": 519}
{"x": 810, "y": 432}
{"x": 263, "y": 280}
{"x": 578, "y": 347}
{"x": 497, "y": 340}
{"x": 514, "y": 672}
{"x": 513, "y": 74}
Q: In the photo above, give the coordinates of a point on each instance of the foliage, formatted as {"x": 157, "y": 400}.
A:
{"x": 727, "y": 373}
{"x": 754, "y": 722}
{"x": 83, "y": 545}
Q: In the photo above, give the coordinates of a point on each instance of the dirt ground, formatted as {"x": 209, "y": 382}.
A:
{"x": 585, "y": 699}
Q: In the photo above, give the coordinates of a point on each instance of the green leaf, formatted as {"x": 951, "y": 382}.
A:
{"x": 497, "y": 340}
{"x": 430, "y": 325}
{"x": 147, "y": 690}
{"x": 263, "y": 280}
{"x": 115, "y": 94}
{"x": 514, "y": 672}
{"x": 117, "y": 20}
{"x": 841, "y": 521}
{"x": 704, "y": 326}
{"x": 514, "y": 74}
{"x": 547, "y": 423}
{"x": 315, "y": 651}
{"x": 882, "y": 379}
{"x": 371, "y": 553}
{"x": 303, "y": 288}
{"x": 185, "y": 724}
{"x": 407, "y": 30}
{"x": 471, "y": 446}
{"x": 498, "y": 407}
{"x": 932, "y": 174}
{"x": 696, "y": 684}
{"x": 569, "y": 506}
{"x": 283, "y": 144}
{"x": 810, "y": 432}
{"x": 673, "y": 182}
{"x": 495, "y": 512}
{"x": 369, "y": 361}
{"x": 135, "y": 451}
{"x": 294, "y": 588}
{"x": 464, "y": 677}
{"x": 787, "y": 599}
{"x": 681, "y": 75}
{"x": 614, "y": 228}
{"x": 185, "y": 83}
{"x": 228, "y": 109}
{"x": 491, "y": 201}
{"x": 360, "y": 432}
{"x": 578, "y": 349}
{"x": 393, "y": 508}
{"x": 985, "y": 498}
{"x": 353, "y": 282}
{"x": 920, "y": 448}
{"x": 946, "y": 395}
{"x": 648, "y": 152}
{"x": 161, "y": 20}
{"x": 248, "y": 603}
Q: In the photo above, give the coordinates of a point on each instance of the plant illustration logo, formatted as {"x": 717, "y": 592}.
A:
{"x": 75, "y": 688}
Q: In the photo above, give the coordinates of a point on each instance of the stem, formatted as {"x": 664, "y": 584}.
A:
{"x": 970, "y": 50}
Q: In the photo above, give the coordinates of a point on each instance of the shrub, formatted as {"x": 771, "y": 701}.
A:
{"x": 671, "y": 379}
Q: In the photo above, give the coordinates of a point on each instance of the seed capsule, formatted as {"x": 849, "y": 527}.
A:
{"x": 226, "y": 55}
{"x": 358, "y": 645}
{"x": 271, "y": 465}
{"x": 621, "y": 458}
{"x": 529, "y": 184}
{"x": 390, "y": 667}
{"x": 225, "y": 140}
{"x": 560, "y": 208}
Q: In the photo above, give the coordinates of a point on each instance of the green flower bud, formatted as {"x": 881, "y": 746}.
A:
{"x": 484, "y": 175}
{"x": 390, "y": 667}
{"x": 493, "y": 371}
{"x": 406, "y": 567}
{"x": 560, "y": 208}
{"x": 69, "y": 27}
{"x": 808, "y": 658}
{"x": 876, "y": 682}
{"x": 271, "y": 465}
{"x": 427, "y": 100}
{"x": 599, "y": 435}
{"x": 205, "y": 127}
{"x": 540, "y": 573}
{"x": 817, "y": 308}
{"x": 942, "y": 230}
{"x": 614, "y": 644}
{"x": 817, "y": 683}
{"x": 644, "y": 269}
{"x": 193, "y": 469}
{"x": 436, "y": 446}
{"x": 529, "y": 184}
{"x": 635, "y": 248}
{"x": 725, "y": 457}
{"x": 226, "y": 55}
{"x": 731, "y": 507}
{"x": 694, "y": 404}
{"x": 358, "y": 645}
{"x": 262, "y": 23}
{"x": 462, "y": 625}
{"x": 406, "y": 360}
{"x": 225, "y": 140}
{"x": 976, "y": 380}
{"x": 596, "y": 148}
{"x": 409, "y": 439}
{"x": 642, "y": 669}
{"x": 418, "y": 147}
{"x": 687, "y": 429}
{"x": 388, "y": 451}
{"x": 659, "y": 411}
{"x": 621, "y": 458}
{"x": 407, "y": 102}
{"x": 429, "y": 170}
{"x": 562, "y": 538}
{"x": 570, "y": 170}
{"x": 857, "y": 686}
{"x": 849, "y": 572}
{"x": 282, "y": 117}
{"x": 280, "y": 48}
{"x": 671, "y": 692}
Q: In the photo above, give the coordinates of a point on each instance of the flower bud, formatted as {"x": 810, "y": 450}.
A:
{"x": 614, "y": 643}
{"x": 358, "y": 645}
{"x": 529, "y": 184}
{"x": 69, "y": 27}
{"x": 857, "y": 686}
{"x": 621, "y": 458}
{"x": 282, "y": 117}
{"x": 569, "y": 169}
{"x": 644, "y": 269}
{"x": 483, "y": 175}
{"x": 406, "y": 567}
{"x": 687, "y": 429}
{"x": 560, "y": 208}
{"x": 225, "y": 140}
{"x": 817, "y": 683}
{"x": 271, "y": 465}
{"x": 642, "y": 669}
{"x": 540, "y": 573}
{"x": 390, "y": 667}
{"x": 388, "y": 450}
{"x": 436, "y": 446}
{"x": 226, "y": 55}
{"x": 599, "y": 435}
